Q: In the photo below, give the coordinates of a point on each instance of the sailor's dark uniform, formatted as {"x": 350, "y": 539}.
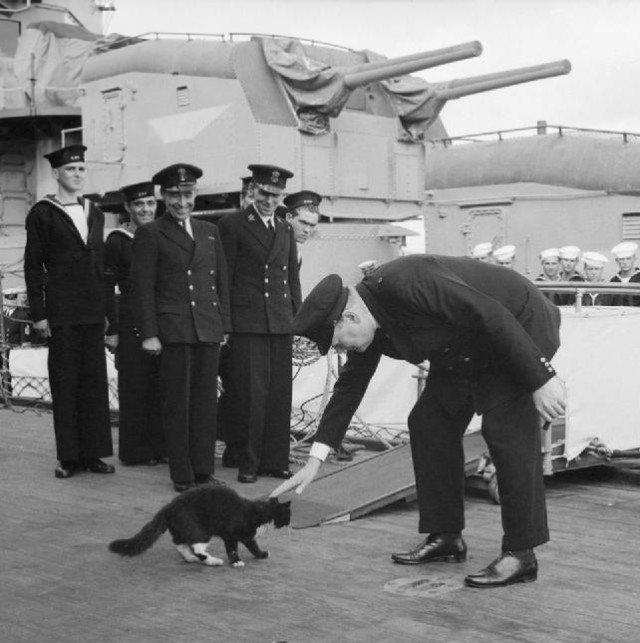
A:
{"x": 65, "y": 285}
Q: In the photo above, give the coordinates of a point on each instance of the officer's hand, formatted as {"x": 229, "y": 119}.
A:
{"x": 42, "y": 328}
{"x": 152, "y": 346}
{"x": 301, "y": 480}
{"x": 551, "y": 399}
{"x": 111, "y": 342}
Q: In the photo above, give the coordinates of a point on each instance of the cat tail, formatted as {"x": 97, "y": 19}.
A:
{"x": 143, "y": 539}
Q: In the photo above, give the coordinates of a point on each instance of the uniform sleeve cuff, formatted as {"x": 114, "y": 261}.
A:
{"x": 320, "y": 451}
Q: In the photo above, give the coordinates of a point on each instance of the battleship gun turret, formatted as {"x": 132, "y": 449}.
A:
{"x": 223, "y": 104}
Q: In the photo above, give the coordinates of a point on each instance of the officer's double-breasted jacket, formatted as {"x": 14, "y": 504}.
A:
{"x": 263, "y": 273}
{"x": 486, "y": 331}
{"x": 179, "y": 290}
{"x": 63, "y": 272}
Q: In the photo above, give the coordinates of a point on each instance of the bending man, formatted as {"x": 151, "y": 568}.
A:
{"x": 489, "y": 335}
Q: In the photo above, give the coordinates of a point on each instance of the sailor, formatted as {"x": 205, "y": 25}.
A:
{"x": 140, "y": 434}
{"x": 261, "y": 255}
{"x": 569, "y": 258}
{"x": 303, "y": 215}
{"x": 625, "y": 256}
{"x": 550, "y": 262}
{"x": 505, "y": 256}
{"x": 180, "y": 298}
{"x": 482, "y": 252}
{"x": 63, "y": 265}
{"x": 594, "y": 264}
{"x": 489, "y": 335}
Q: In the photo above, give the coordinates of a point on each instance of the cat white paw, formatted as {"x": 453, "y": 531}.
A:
{"x": 187, "y": 554}
{"x": 240, "y": 563}
{"x": 212, "y": 561}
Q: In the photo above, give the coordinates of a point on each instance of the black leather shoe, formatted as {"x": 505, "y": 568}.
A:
{"x": 247, "y": 477}
{"x": 183, "y": 486}
{"x": 434, "y": 548}
{"x": 507, "y": 569}
{"x": 207, "y": 478}
{"x": 65, "y": 469}
{"x": 283, "y": 474}
{"x": 96, "y": 465}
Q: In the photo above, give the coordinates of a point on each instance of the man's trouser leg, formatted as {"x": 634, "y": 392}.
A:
{"x": 512, "y": 433}
{"x": 438, "y": 462}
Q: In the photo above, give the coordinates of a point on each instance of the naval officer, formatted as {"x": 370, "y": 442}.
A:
{"x": 181, "y": 309}
{"x": 489, "y": 335}
{"x": 260, "y": 250}
{"x": 66, "y": 291}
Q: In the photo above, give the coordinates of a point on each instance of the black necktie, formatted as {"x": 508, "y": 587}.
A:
{"x": 270, "y": 227}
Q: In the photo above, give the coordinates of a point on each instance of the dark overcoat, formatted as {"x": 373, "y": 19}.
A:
{"x": 263, "y": 273}
{"x": 63, "y": 273}
{"x": 179, "y": 286}
{"x": 479, "y": 325}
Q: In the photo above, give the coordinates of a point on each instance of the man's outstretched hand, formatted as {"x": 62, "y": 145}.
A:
{"x": 301, "y": 480}
{"x": 551, "y": 399}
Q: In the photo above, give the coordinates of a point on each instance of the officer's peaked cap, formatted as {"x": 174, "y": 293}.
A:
{"x": 320, "y": 311}
{"x": 177, "y": 175}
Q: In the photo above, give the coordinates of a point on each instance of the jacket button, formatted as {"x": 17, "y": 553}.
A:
{"x": 266, "y": 280}
{"x": 189, "y": 273}
{"x": 285, "y": 282}
{"x": 266, "y": 266}
{"x": 213, "y": 287}
{"x": 215, "y": 303}
{"x": 212, "y": 272}
{"x": 266, "y": 294}
{"x": 285, "y": 295}
{"x": 193, "y": 303}
{"x": 190, "y": 286}
{"x": 466, "y": 359}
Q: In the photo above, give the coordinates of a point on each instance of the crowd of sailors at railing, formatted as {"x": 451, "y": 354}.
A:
{"x": 562, "y": 265}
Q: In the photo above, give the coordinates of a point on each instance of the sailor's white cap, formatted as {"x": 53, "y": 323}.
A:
{"x": 548, "y": 253}
{"x": 481, "y": 250}
{"x": 569, "y": 252}
{"x": 594, "y": 259}
{"x": 504, "y": 253}
{"x": 625, "y": 250}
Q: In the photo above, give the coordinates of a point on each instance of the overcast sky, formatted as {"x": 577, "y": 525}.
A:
{"x": 601, "y": 38}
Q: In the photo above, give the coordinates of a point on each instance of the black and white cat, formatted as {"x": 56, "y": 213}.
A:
{"x": 197, "y": 515}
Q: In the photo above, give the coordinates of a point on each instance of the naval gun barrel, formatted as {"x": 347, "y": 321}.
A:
{"x": 476, "y": 84}
{"x": 365, "y": 73}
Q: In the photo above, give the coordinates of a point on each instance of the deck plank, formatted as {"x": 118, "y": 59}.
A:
{"x": 330, "y": 583}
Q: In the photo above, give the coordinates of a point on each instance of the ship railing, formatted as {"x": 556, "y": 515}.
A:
{"x": 580, "y": 288}
{"x": 540, "y": 129}
{"x": 125, "y": 41}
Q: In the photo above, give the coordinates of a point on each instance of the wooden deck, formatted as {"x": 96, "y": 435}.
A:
{"x": 332, "y": 583}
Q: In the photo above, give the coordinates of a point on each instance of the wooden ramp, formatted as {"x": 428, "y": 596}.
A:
{"x": 376, "y": 481}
